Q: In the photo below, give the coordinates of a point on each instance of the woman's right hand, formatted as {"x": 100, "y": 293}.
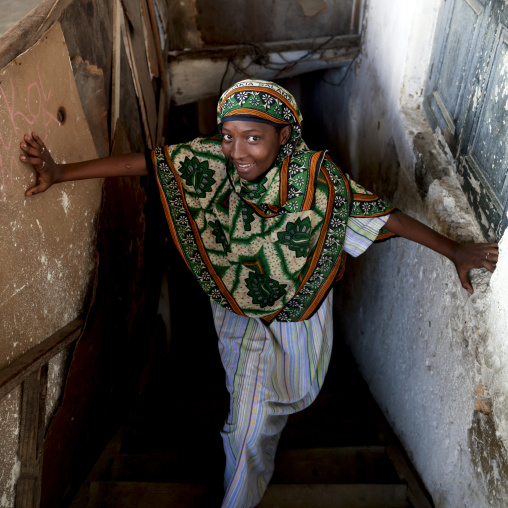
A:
{"x": 36, "y": 154}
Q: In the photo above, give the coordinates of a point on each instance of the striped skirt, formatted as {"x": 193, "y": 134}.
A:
{"x": 271, "y": 372}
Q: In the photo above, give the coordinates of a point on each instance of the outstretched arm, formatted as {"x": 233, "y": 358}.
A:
{"x": 464, "y": 256}
{"x": 48, "y": 172}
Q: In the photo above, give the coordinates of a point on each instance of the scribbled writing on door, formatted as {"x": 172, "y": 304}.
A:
{"x": 23, "y": 109}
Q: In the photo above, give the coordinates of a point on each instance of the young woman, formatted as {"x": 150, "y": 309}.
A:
{"x": 265, "y": 225}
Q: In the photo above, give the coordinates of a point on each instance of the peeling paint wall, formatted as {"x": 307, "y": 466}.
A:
{"x": 435, "y": 357}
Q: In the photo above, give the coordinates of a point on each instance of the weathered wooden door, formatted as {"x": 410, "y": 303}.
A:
{"x": 467, "y": 100}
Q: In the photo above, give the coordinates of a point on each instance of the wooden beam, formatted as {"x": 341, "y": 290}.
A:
{"x": 116, "y": 86}
{"x": 31, "y": 437}
{"x": 156, "y": 34}
{"x": 150, "y": 36}
{"x": 345, "y": 43}
{"x": 225, "y": 65}
{"x": 19, "y": 370}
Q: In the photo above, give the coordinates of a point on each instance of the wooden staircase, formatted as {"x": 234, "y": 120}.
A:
{"x": 340, "y": 452}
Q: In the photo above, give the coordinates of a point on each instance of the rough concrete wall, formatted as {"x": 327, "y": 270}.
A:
{"x": 434, "y": 357}
{"x": 225, "y": 21}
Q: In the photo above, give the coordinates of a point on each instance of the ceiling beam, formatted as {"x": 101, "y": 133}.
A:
{"x": 196, "y": 74}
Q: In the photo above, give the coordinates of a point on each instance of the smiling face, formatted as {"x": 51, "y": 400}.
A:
{"x": 252, "y": 146}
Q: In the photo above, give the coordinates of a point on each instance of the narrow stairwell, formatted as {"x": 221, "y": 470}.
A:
{"x": 337, "y": 453}
{"x": 340, "y": 452}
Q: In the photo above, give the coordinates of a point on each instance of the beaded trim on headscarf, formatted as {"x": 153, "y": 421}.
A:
{"x": 262, "y": 101}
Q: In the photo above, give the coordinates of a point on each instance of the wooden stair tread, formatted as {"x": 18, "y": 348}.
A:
{"x": 168, "y": 466}
{"x": 354, "y": 464}
{"x": 150, "y": 495}
{"x": 358, "y": 464}
{"x": 335, "y": 496}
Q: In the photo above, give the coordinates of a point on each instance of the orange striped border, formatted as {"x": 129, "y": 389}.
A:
{"x": 166, "y": 209}
{"x": 333, "y": 274}
{"x": 283, "y": 183}
{"x": 341, "y": 273}
{"x": 254, "y": 112}
{"x": 326, "y": 285}
{"x": 260, "y": 212}
{"x": 269, "y": 91}
{"x": 370, "y": 197}
{"x": 197, "y": 238}
{"x": 311, "y": 188}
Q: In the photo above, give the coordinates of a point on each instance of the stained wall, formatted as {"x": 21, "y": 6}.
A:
{"x": 81, "y": 248}
{"x": 434, "y": 356}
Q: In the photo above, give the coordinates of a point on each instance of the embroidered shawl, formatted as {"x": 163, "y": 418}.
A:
{"x": 271, "y": 248}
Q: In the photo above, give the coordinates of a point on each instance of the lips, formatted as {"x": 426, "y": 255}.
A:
{"x": 243, "y": 168}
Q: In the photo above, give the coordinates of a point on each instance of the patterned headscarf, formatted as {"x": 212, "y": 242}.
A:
{"x": 263, "y": 101}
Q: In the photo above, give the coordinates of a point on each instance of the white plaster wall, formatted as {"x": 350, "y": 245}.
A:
{"x": 435, "y": 357}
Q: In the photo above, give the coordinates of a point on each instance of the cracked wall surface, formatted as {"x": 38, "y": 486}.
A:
{"x": 434, "y": 357}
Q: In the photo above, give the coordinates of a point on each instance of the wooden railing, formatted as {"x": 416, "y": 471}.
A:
{"x": 31, "y": 372}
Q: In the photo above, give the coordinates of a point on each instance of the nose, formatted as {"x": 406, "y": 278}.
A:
{"x": 237, "y": 151}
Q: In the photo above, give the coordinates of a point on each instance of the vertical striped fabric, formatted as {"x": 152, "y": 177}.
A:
{"x": 271, "y": 372}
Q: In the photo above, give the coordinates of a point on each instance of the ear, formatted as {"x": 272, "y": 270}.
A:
{"x": 285, "y": 134}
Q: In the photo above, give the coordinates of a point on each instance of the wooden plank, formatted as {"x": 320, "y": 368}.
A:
{"x": 349, "y": 464}
{"x": 162, "y": 8}
{"x": 416, "y": 492}
{"x": 137, "y": 85}
{"x": 29, "y": 29}
{"x": 116, "y": 87}
{"x": 90, "y": 84}
{"x": 15, "y": 373}
{"x": 100, "y": 469}
{"x": 182, "y": 28}
{"x": 151, "y": 52}
{"x": 140, "y": 67}
{"x": 31, "y": 434}
{"x": 345, "y": 43}
{"x": 162, "y": 119}
{"x": 177, "y": 466}
{"x": 335, "y": 496}
{"x": 155, "y": 30}
{"x": 149, "y": 495}
{"x": 270, "y": 61}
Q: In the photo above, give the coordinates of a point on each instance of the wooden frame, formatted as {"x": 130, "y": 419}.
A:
{"x": 31, "y": 372}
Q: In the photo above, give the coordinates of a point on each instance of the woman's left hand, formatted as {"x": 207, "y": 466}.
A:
{"x": 474, "y": 255}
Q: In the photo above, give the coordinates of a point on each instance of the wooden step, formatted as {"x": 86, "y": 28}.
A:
{"x": 151, "y": 495}
{"x": 359, "y": 464}
{"x": 335, "y": 496}
{"x": 330, "y": 432}
{"x": 173, "y": 467}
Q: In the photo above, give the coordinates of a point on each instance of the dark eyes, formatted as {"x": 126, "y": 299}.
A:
{"x": 228, "y": 137}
